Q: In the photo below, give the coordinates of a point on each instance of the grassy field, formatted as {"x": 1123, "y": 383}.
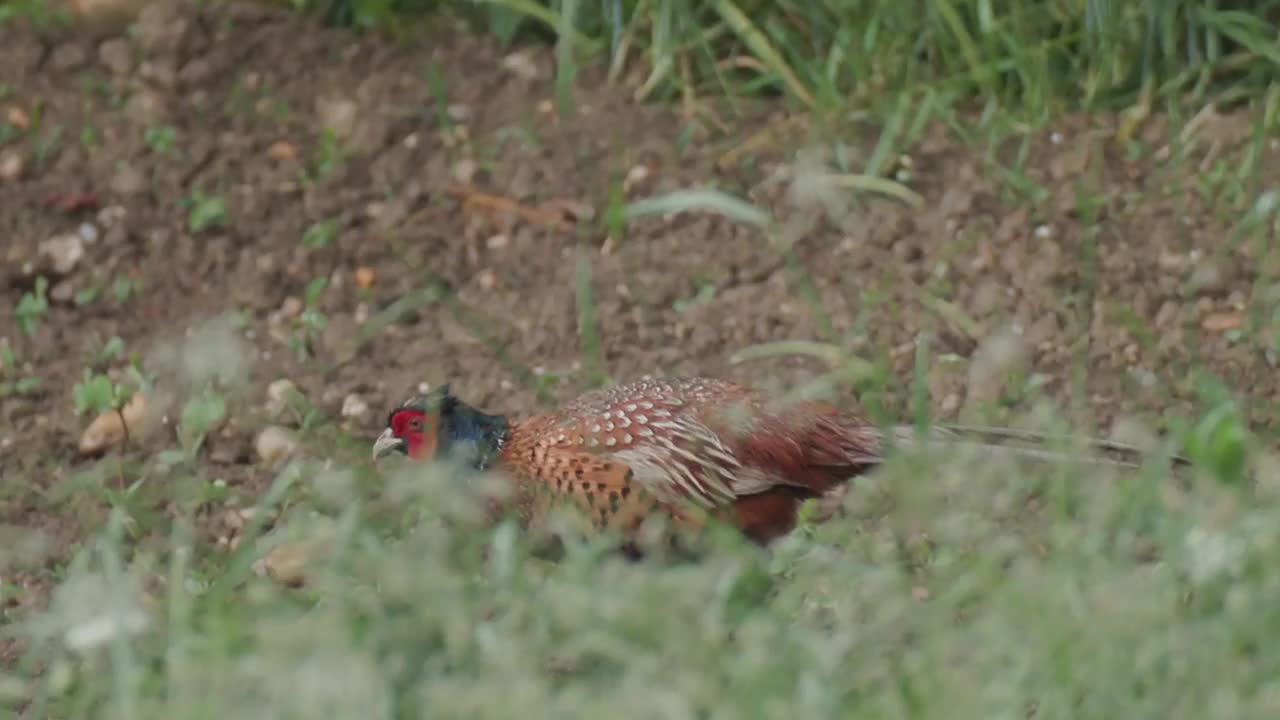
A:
{"x": 1103, "y": 164}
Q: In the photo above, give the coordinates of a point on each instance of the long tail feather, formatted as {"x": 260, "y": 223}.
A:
{"x": 1030, "y": 444}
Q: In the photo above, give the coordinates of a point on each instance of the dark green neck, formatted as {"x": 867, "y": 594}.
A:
{"x": 472, "y": 436}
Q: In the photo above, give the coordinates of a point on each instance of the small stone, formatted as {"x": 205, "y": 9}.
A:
{"x": 11, "y": 165}
{"x": 128, "y": 180}
{"x": 291, "y": 308}
{"x": 64, "y": 252}
{"x": 18, "y": 118}
{"x": 951, "y": 403}
{"x": 1171, "y": 262}
{"x": 464, "y": 171}
{"x": 498, "y": 242}
{"x": 354, "y": 407}
{"x": 161, "y": 27}
{"x": 234, "y": 519}
{"x": 520, "y": 64}
{"x": 281, "y": 151}
{"x": 569, "y": 209}
{"x": 104, "y": 18}
{"x": 1212, "y": 276}
{"x": 88, "y": 232}
{"x": 275, "y": 445}
{"x": 1167, "y": 315}
{"x": 68, "y": 57}
{"x": 116, "y": 235}
{"x": 112, "y": 215}
{"x": 196, "y": 71}
{"x": 145, "y": 106}
{"x": 63, "y": 292}
{"x": 111, "y": 427}
{"x": 1042, "y": 330}
{"x": 1221, "y": 322}
{"x": 116, "y": 55}
{"x": 458, "y": 112}
{"x": 635, "y": 176}
{"x": 338, "y": 115}
{"x": 285, "y": 563}
{"x": 278, "y": 393}
{"x": 225, "y": 452}
{"x": 458, "y": 135}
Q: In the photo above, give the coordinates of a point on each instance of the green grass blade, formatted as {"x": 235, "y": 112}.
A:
{"x": 764, "y": 50}
{"x": 704, "y": 199}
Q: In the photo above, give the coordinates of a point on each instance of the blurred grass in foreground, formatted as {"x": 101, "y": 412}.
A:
{"x": 953, "y": 589}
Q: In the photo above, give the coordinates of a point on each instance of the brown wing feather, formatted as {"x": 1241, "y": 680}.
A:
{"x": 811, "y": 446}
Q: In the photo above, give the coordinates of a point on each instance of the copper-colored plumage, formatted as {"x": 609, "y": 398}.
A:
{"x": 689, "y": 445}
{"x": 690, "y": 448}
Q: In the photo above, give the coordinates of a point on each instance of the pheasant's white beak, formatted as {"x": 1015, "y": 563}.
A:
{"x": 387, "y": 442}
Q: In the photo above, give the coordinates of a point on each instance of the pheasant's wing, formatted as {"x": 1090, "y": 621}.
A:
{"x": 710, "y": 444}
{"x": 652, "y": 428}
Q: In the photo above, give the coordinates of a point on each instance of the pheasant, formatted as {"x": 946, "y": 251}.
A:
{"x": 690, "y": 447}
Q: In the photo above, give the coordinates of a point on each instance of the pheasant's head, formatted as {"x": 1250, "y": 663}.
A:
{"x": 438, "y": 425}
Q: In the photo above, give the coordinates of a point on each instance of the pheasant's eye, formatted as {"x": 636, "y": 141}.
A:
{"x": 415, "y": 424}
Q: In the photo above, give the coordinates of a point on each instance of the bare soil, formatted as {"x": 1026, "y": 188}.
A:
{"x": 1120, "y": 268}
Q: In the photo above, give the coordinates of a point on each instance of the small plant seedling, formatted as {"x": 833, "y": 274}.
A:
{"x": 310, "y": 322}
{"x": 89, "y": 136}
{"x": 320, "y": 234}
{"x": 23, "y": 385}
{"x": 123, "y": 287}
{"x": 439, "y": 89}
{"x": 1219, "y": 439}
{"x": 199, "y": 414}
{"x": 160, "y": 138}
{"x": 86, "y": 295}
{"x": 706, "y": 293}
{"x": 329, "y": 157}
{"x": 32, "y": 306}
{"x": 40, "y": 13}
{"x": 47, "y": 144}
{"x": 99, "y": 354}
{"x": 207, "y": 211}
{"x": 97, "y": 393}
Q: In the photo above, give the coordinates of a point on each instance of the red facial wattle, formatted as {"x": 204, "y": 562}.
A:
{"x": 417, "y": 430}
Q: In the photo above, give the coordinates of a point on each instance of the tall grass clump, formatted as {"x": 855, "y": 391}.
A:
{"x": 1032, "y": 56}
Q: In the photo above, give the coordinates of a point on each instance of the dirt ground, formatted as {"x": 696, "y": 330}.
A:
{"x": 130, "y": 141}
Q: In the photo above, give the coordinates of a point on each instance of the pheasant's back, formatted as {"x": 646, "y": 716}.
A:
{"x": 646, "y": 411}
